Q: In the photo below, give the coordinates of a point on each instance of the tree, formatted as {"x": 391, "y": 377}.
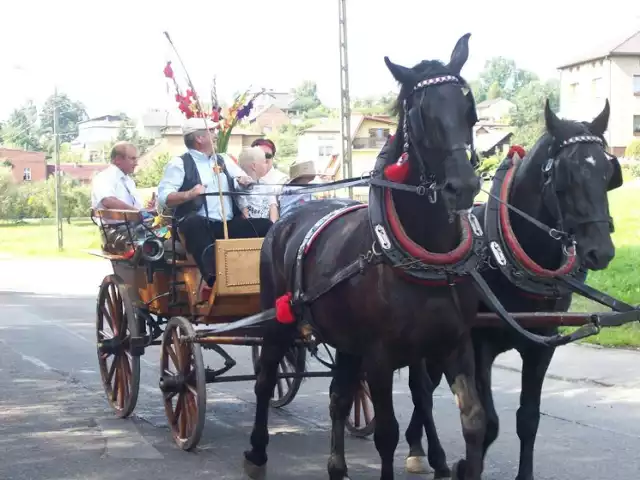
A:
{"x": 503, "y": 77}
{"x": 70, "y": 113}
{"x": 306, "y": 96}
{"x": 128, "y": 133}
{"x": 21, "y": 130}
{"x": 374, "y": 105}
{"x": 528, "y": 114}
{"x": 151, "y": 174}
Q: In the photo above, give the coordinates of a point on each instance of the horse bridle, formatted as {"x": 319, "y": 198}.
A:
{"x": 550, "y": 189}
{"x": 413, "y": 122}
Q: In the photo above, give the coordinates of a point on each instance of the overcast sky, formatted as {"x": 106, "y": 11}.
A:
{"x": 110, "y": 54}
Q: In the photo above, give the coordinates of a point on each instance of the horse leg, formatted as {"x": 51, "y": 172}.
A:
{"x": 535, "y": 362}
{"x": 342, "y": 392}
{"x": 387, "y": 433}
{"x": 485, "y": 355}
{"x": 460, "y": 372}
{"x": 422, "y": 387}
{"x": 271, "y": 355}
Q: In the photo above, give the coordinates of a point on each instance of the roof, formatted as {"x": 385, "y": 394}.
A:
{"x": 108, "y": 117}
{"x": 13, "y": 151}
{"x": 625, "y": 44}
{"x": 282, "y": 100}
{"x": 333, "y": 125}
{"x": 492, "y": 101}
{"x": 487, "y": 141}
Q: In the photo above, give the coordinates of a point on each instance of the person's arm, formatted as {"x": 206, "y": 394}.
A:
{"x": 113, "y": 203}
{"x": 104, "y": 191}
{"x": 273, "y": 212}
{"x": 168, "y": 194}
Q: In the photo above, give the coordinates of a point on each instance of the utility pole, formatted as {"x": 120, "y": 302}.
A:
{"x": 345, "y": 100}
{"x": 56, "y": 139}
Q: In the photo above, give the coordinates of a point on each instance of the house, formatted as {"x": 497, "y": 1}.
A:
{"x": 81, "y": 172}
{"x": 611, "y": 72}
{"x": 25, "y": 166}
{"x": 96, "y": 134}
{"x": 153, "y": 122}
{"x": 495, "y": 110}
{"x": 269, "y": 119}
{"x": 322, "y": 144}
{"x": 491, "y": 141}
{"x": 283, "y": 100}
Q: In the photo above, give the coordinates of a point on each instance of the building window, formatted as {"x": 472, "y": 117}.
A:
{"x": 636, "y": 84}
{"x": 26, "y": 175}
{"x": 636, "y": 125}
{"x": 597, "y": 89}
{"x": 325, "y": 150}
{"x": 573, "y": 89}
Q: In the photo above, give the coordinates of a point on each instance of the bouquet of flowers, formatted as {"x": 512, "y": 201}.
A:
{"x": 191, "y": 107}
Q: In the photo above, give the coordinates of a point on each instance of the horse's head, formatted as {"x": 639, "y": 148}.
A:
{"x": 577, "y": 174}
{"x": 437, "y": 114}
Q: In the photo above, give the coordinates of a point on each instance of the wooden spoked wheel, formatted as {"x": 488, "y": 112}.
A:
{"x": 116, "y": 323}
{"x": 183, "y": 383}
{"x": 286, "y": 388}
{"x": 361, "y": 421}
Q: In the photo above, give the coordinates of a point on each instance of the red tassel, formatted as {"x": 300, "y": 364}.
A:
{"x": 284, "y": 314}
{"x": 516, "y": 149}
{"x": 399, "y": 171}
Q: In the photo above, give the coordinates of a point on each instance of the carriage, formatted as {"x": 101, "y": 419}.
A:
{"x": 155, "y": 297}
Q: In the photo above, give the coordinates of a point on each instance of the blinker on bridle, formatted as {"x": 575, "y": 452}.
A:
{"x": 429, "y": 182}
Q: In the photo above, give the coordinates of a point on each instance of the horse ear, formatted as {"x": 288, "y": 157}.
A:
{"x": 599, "y": 124}
{"x": 551, "y": 120}
{"x": 400, "y": 73}
{"x": 460, "y": 54}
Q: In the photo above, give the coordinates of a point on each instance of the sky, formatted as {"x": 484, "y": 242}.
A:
{"x": 110, "y": 54}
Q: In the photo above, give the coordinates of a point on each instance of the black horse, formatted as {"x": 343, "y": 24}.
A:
{"x": 562, "y": 183}
{"x": 384, "y": 317}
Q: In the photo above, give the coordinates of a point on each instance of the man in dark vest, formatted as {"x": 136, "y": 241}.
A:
{"x": 186, "y": 178}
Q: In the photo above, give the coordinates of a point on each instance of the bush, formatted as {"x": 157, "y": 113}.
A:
{"x": 489, "y": 164}
{"x": 152, "y": 173}
{"x": 633, "y": 150}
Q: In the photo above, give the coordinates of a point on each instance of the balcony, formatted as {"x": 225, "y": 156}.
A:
{"x": 368, "y": 142}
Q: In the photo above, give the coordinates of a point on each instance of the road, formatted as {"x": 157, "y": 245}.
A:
{"x": 56, "y": 423}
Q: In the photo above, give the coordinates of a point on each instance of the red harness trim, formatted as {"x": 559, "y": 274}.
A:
{"x": 415, "y": 250}
{"x": 512, "y": 241}
{"x": 327, "y": 223}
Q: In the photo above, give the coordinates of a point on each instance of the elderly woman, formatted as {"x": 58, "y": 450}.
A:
{"x": 255, "y": 164}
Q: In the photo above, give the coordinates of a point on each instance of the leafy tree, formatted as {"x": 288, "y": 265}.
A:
{"x": 70, "y": 113}
{"x": 306, "y": 96}
{"x": 633, "y": 150}
{"x": 151, "y": 174}
{"x": 502, "y": 77}
{"x": 528, "y": 115}
{"x": 374, "y": 105}
{"x": 128, "y": 133}
{"x": 21, "y": 130}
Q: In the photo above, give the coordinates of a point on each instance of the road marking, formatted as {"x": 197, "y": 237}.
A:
{"x": 37, "y": 362}
{"x": 123, "y": 440}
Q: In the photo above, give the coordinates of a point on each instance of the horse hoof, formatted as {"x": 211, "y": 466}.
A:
{"x": 458, "y": 470}
{"x": 417, "y": 465}
{"x": 253, "y": 469}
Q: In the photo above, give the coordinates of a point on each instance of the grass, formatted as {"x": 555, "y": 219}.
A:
{"x": 41, "y": 239}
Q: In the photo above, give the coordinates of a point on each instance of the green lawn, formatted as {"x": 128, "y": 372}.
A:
{"x": 40, "y": 239}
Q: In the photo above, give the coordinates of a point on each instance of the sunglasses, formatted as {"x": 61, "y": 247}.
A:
{"x": 268, "y": 156}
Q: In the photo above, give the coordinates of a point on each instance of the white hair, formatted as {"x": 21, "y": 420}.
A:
{"x": 251, "y": 155}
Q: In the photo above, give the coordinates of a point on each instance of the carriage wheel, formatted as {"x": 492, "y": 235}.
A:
{"x": 286, "y": 388}
{"x": 361, "y": 421}
{"x": 116, "y": 323}
{"x": 183, "y": 383}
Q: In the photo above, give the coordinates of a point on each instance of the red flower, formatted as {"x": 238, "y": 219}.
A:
{"x": 168, "y": 71}
{"x": 215, "y": 116}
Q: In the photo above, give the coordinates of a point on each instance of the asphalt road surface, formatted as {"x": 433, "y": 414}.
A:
{"x": 56, "y": 424}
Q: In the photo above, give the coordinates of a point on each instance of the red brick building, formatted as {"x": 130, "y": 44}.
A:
{"x": 25, "y": 166}
{"x": 82, "y": 172}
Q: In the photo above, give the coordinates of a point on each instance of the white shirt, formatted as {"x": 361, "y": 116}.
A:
{"x": 258, "y": 206}
{"x": 112, "y": 182}
{"x": 174, "y": 176}
{"x": 275, "y": 176}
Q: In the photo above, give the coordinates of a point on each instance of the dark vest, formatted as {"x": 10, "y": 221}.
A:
{"x": 191, "y": 179}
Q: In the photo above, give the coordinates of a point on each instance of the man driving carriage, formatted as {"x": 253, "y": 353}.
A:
{"x": 200, "y": 218}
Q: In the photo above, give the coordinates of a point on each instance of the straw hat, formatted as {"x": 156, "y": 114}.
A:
{"x": 302, "y": 169}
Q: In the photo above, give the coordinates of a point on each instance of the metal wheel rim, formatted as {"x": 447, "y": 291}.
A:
{"x": 282, "y": 397}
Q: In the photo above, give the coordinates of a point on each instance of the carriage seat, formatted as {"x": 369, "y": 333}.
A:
{"x": 180, "y": 251}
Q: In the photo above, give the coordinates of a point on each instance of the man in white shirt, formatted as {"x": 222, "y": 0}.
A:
{"x": 189, "y": 176}
{"x": 113, "y": 188}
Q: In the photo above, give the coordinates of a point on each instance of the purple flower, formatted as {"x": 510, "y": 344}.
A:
{"x": 244, "y": 111}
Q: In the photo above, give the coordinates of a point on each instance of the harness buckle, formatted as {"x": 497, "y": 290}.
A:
{"x": 421, "y": 190}
{"x": 433, "y": 193}
{"x": 555, "y": 234}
